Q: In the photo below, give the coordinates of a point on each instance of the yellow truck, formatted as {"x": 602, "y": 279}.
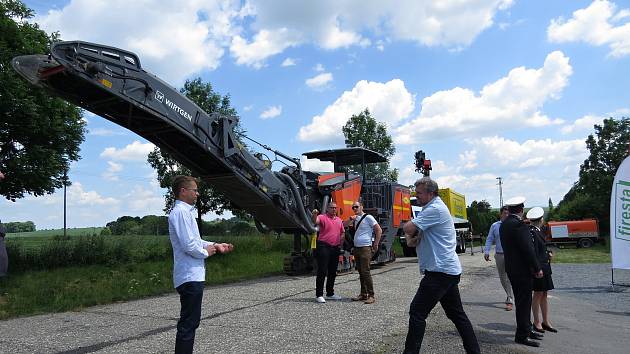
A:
{"x": 456, "y": 204}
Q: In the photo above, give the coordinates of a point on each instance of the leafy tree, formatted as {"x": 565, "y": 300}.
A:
{"x": 590, "y": 195}
{"x": 363, "y": 130}
{"x": 483, "y": 206}
{"x": 125, "y": 225}
{"x": 154, "y": 225}
{"x": 39, "y": 135}
{"x": 481, "y": 216}
{"x": 167, "y": 167}
{"x": 26, "y": 226}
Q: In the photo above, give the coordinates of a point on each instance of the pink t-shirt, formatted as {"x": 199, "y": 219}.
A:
{"x": 330, "y": 229}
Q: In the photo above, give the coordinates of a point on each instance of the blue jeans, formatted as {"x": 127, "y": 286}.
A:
{"x": 190, "y": 296}
{"x": 440, "y": 287}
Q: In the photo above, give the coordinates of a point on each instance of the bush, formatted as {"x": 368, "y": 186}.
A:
{"x": 86, "y": 250}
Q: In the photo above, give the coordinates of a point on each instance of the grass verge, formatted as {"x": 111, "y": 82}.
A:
{"x": 597, "y": 254}
{"x": 75, "y": 287}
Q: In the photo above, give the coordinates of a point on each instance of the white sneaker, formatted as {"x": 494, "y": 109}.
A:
{"x": 334, "y": 297}
{"x": 320, "y": 299}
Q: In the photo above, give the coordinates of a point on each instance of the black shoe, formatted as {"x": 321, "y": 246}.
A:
{"x": 528, "y": 342}
{"x": 549, "y": 328}
{"x": 539, "y": 330}
{"x": 534, "y": 335}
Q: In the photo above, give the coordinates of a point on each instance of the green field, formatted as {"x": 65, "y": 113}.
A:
{"x": 52, "y": 273}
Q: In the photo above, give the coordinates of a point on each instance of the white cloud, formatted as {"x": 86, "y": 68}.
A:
{"x": 135, "y": 151}
{"x": 501, "y": 152}
{"x": 585, "y": 123}
{"x": 141, "y": 199}
{"x": 271, "y": 112}
{"x": 112, "y": 169}
{"x": 288, "y": 62}
{"x": 595, "y": 25}
{"x": 105, "y": 132}
{"x": 316, "y": 165}
{"x": 388, "y": 102}
{"x": 514, "y": 100}
{"x": 248, "y": 108}
{"x": 173, "y": 39}
{"x": 319, "y": 67}
{"x": 319, "y": 81}
{"x": 77, "y": 196}
{"x": 332, "y": 24}
{"x": 537, "y": 169}
{"x": 177, "y": 39}
{"x": 265, "y": 44}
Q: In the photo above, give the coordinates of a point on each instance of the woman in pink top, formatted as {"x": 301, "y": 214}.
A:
{"x": 327, "y": 252}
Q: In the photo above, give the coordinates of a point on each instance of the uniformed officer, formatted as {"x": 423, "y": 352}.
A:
{"x": 521, "y": 266}
{"x": 540, "y": 305}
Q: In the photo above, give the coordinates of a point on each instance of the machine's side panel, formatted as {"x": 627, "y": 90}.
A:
{"x": 402, "y": 206}
{"x": 347, "y": 194}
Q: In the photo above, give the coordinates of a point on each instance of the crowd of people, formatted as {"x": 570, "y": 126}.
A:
{"x": 522, "y": 261}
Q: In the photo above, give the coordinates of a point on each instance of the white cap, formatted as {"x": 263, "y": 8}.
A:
{"x": 535, "y": 213}
{"x": 515, "y": 201}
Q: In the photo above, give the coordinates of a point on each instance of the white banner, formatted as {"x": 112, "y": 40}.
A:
{"x": 620, "y": 217}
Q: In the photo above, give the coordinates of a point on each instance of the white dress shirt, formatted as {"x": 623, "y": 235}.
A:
{"x": 189, "y": 250}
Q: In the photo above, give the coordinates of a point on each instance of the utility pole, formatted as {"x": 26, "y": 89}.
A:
{"x": 500, "y": 191}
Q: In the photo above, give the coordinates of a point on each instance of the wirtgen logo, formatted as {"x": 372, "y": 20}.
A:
{"x": 159, "y": 96}
{"x": 622, "y": 210}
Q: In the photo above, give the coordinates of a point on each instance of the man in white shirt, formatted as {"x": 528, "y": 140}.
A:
{"x": 364, "y": 225}
{"x": 189, "y": 253}
{"x": 494, "y": 237}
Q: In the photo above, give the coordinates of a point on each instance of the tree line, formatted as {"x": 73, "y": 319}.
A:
{"x": 25, "y": 226}
{"x": 158, "y": 225}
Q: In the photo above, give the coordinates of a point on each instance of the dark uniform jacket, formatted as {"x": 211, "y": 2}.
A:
{"x": 518, "y": 248}
{"x": 540, "y": 248}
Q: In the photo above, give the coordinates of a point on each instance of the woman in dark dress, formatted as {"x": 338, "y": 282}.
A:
{"x": 540, "y": 305}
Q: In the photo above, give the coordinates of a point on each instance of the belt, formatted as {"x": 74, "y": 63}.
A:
{"x": 498, "y": 252}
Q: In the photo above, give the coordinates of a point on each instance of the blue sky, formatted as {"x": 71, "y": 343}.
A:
{"x": 486, "y": 88}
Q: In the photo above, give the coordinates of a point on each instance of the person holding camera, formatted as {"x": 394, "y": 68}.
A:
{"x": 364, "y": 226}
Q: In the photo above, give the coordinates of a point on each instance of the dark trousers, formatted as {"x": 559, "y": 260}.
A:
{"x": 440, "y": 287}
{"x": 190, "y": 296}
{"x": 363, "y": 257}
{"x": 522, "y": 287}
{"x": 327, "y": 258}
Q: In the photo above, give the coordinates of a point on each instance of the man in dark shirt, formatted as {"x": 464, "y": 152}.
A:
{"x": 520, "y": 264}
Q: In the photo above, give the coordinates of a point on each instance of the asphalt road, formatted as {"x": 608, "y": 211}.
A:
{"x": 279, "y": 315}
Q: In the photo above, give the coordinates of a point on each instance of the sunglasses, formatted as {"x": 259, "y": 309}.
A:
{"x": 355, "y": 207}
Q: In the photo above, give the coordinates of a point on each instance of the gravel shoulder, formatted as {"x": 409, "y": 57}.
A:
{"x": 278, "y": 315}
